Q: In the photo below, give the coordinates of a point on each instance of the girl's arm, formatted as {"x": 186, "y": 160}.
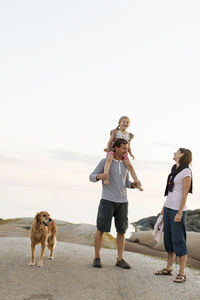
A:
{"x": 129, "y": 150}
{"x": 129, "y": 145}
{"x": 112, "y": 136}
{"x": 186, "y": 188}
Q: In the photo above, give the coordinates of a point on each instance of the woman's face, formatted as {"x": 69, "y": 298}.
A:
{"x": 177, "y": 155}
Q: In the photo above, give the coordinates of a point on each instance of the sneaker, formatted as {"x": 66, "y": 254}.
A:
{"x": 123, "y": 264}
{"x": 97, "y": 263}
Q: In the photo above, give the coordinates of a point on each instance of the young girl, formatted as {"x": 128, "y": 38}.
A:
{"x": 120, "y": 132}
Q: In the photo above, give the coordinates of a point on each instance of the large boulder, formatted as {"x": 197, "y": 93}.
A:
{"x": 192, "y": 222}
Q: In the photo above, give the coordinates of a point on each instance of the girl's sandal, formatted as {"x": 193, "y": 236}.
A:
{"x": 180, "y": 278}
{"x": 164, "y": 272}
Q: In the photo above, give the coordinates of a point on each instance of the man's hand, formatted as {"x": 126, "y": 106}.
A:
{"x": 102, "y": 176}
{"x": 137, "y": 185}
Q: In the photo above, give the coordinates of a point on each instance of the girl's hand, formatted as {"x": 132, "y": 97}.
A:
{"x": 133, "y": 157}
{"x": 105, "y": 150}
{"x": 178, "y": 217}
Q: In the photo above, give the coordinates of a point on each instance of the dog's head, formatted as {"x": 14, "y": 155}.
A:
{"x": 43, "y": 217}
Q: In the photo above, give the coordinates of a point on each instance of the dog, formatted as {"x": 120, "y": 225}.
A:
{"x": 43, "y": 231}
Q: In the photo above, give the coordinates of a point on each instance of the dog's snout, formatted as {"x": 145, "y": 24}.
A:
{"x": 50, "y": 220}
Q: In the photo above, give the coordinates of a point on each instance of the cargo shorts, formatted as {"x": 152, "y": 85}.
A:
{"x": 109, "y": 209}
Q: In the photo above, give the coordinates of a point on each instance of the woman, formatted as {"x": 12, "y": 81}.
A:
{"x": 179, "y": 184}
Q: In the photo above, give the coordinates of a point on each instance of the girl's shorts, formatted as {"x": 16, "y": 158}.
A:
{"x": 111, "y": 152}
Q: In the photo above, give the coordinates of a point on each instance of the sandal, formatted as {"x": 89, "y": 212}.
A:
{"x": 164, "y": 272}
{"x": 180, "y": 278}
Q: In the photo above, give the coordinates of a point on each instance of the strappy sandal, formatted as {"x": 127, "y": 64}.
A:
{"x": 164, "y": 272}
{"x": 180, "y": 278}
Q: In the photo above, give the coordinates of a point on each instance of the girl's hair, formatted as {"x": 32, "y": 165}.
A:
{"x": 187, "y": 156}
{"x": 123, "y": 117}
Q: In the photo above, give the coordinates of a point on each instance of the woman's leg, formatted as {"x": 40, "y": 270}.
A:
{"x": 179, "y": 241}
{"x": 170, "y": 260}
{"x": 132, "y": 171}
{"x": 182, "y": 263}
{"x": 168, "y": 245}
{"x": 109, "y": 160}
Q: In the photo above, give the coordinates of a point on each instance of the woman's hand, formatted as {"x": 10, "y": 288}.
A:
{"x": 178, "y": 217}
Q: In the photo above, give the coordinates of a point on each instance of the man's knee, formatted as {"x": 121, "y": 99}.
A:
{"x": 99, "y": 233}
{"x": 120, "y": 235}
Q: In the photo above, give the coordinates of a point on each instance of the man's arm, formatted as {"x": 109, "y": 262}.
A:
{"x": 129, "y": 184}
{"x": 97, "y": 174}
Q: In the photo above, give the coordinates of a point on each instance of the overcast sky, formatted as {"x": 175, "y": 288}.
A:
{"x": 69, "y": 71}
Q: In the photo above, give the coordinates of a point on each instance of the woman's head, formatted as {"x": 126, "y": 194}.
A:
{"x": 183, "y": 156}
{"x": 124, "y": 122}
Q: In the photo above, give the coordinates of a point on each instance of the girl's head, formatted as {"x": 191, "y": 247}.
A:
{"x": 183, "y": 156}
{"x": 123, "y": 123}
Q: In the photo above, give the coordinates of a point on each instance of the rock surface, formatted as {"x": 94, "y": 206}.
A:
{"x": 68, "y": 232}
{"x": 192, "y": 222}
{"x": 70, "y": 275}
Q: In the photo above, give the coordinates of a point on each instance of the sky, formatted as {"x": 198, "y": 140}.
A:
{"x": 69, "y": 71}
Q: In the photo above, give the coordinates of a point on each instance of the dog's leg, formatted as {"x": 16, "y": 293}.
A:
{"x": 51, "y": 247}
{"x": 43, "y": 245}
{"x": 32, "y": 263}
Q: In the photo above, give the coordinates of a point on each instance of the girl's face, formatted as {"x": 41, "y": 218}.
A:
{"x": 124, "y": 124}
{"x": 177, "y": 155}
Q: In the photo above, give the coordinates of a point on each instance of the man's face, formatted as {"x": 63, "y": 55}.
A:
{"x": 122, "y": 150}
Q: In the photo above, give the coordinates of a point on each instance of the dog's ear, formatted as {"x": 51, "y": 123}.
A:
{"x": 36, "y": 217}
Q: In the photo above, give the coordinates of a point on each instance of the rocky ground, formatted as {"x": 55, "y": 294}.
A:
{"x": 192, "y": 223}
{"x": 70, "y": 276}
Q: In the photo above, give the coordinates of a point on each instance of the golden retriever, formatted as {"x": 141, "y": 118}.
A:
{"x": 43, "y": 231}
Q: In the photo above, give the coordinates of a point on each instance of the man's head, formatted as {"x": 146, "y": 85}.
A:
{"x": 121, "y": 148}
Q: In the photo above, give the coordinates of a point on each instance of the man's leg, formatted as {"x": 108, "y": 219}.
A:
{"x": 120, "y": 251}
{"x": 98, "y": 243}
{"x": 120, "y": 245}
{"x": 121, "y": 223}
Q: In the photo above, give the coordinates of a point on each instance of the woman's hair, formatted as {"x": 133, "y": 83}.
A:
{"x": 123, "y": 117}
{"x": 187, "y": 156}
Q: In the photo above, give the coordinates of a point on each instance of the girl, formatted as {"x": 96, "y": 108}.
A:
{"x": 179, "y": 184}
{"x": 120, "y": 132}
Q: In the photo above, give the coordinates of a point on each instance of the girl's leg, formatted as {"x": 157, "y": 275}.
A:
{"x": 132, "y": 171}
{"x": 109, "y": 159}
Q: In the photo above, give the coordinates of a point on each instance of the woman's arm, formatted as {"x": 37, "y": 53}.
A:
{"x": 186, "y": 188}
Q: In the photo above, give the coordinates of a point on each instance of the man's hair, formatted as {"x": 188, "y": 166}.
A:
{"x": 187, "y": 156}
{"x": 118, "y": 142}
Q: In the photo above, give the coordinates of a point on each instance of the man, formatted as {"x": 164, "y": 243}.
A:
{"x": 113, "y": 203}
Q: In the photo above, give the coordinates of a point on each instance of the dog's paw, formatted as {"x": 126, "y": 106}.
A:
{"x": 51, "y": 257}
{"x": 31, "y": 264}
{"x": 40, "y": 264}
